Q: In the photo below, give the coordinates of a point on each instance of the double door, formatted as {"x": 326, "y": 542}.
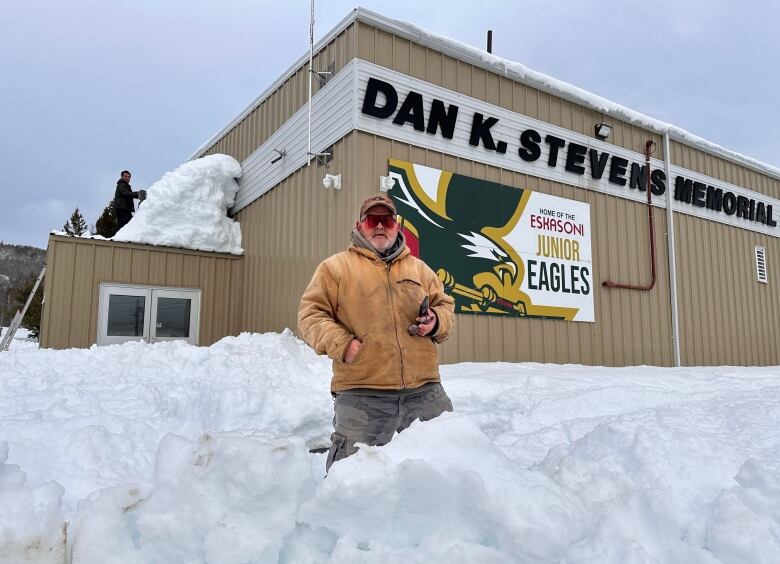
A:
{"x": 135, "y": 313}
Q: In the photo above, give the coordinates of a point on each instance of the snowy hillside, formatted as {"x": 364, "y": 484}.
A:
{"x": 173, "y": 453}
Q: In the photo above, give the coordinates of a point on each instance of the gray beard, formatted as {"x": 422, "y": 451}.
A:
{"x": 391, "y": 253}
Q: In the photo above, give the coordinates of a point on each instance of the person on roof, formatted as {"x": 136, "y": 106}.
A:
{"x": 365, "y": 309}
{"x": 123, "y": 200}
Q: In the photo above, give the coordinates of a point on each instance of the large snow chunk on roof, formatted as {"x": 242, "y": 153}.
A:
{"x": 188, "y": 208}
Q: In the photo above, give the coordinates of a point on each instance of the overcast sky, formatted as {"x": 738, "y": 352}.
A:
{"x": 91, "y": 87}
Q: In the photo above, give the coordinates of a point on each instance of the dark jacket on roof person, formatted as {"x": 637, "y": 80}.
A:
{"x": 123, "y": 197}
{"x": 123, "y": 200}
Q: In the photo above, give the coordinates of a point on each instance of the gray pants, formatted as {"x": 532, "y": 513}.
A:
{"x": 373, "y": 420}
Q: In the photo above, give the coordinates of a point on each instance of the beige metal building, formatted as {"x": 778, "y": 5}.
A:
{"x": 460, "y": 137}
{"x": 84, "y": 275}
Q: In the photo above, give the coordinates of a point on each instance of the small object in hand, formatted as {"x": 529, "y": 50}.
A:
{"x": 414, "y": 329}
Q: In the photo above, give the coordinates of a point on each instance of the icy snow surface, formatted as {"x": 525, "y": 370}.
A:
{"x": 173, "y": 453}
{"x": 188, "y": 208}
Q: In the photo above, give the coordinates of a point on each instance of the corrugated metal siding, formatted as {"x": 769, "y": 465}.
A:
{"x": 727, "y": 317}
{"x": 725, "y": 170}
{"x": 332, "y": 118}
{"x": 76, "y": 267}
{"x": 399, "y": 54}
{"x": 289, "y": 230}
{"x": 276, "y": 109}
{"x": 631, "y": 327}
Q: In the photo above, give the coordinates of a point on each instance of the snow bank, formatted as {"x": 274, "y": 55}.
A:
{"x": 755, "y": 501}
{"x": 32, "y": 528}
{"x": 22, "y": 339}
{"x": 93, "y": 418}
{"x": 228, "y": 498}
{"x": 443, "y": 492}
{"x": 188, "y": 208}
{"x": 173, "y": 453}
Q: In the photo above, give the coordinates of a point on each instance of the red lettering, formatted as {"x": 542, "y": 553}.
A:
{"x": 553, "y": 224}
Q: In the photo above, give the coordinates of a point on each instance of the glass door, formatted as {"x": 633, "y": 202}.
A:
{"x": 143, "y": 313}
{"x": 124, "y": 314}
{"x": 174, "y": 315}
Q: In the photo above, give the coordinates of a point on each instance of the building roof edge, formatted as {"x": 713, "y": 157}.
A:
{"x": 510, "y": 69}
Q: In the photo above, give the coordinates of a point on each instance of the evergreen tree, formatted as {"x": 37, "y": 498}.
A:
{"x": 32, "y": 319}
{"x": 6, "y": 313}
{"x": 75, "y": 226}
{"x": 106, "y": 225}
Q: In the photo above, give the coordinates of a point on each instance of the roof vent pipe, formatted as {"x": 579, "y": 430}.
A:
{"x": 490, "y": 41}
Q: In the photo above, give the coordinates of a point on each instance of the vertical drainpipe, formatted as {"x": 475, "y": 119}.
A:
{"x": 671, "y": 252}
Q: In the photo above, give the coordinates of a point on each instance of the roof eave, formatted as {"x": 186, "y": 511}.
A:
{"x": 508, "y": 68}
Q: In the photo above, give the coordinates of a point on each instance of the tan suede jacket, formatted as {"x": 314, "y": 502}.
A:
{"x": 354, "y": 294}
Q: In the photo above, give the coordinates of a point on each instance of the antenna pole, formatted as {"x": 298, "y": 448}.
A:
{"x": 311, "y": 71}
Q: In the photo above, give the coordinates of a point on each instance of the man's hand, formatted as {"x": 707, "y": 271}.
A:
{"x": 426, "y": 323}
{"x": 352, "y": 350}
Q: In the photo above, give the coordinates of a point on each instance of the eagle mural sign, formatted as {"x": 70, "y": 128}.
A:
{"x": 498, "y": 250}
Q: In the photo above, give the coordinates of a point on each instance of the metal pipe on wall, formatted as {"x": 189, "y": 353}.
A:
{"x": 671, "y": 251}
{"x": 651, "y": 231}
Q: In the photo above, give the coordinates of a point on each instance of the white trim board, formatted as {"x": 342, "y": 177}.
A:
{"x": 508, "y": 129}
{"x": 337, "y": 111}
{"x": 332, "y": 118}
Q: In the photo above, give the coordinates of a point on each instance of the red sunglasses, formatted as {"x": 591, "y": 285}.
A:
{"x": 371, "y": 221}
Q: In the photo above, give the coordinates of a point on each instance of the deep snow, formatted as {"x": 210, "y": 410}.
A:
{"x": 173, "y": 453}
{"x": 188, "y": 207}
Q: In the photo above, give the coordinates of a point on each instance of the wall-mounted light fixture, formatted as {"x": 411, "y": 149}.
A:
{"x": 386, "y": 183}
{"x": 332, "y": 181}
{"x": 603, "y": 130}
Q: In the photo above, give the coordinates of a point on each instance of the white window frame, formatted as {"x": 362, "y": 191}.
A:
{"x": 151, "y": 293}
{"x": 193, "y": 296}
{"x": 105, "y": 294}
{"x": 761, "y": 265}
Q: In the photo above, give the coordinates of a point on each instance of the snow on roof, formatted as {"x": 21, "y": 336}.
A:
{"x": 188, "y": 208}
{"x": 526, "y": 75}
{"x": 510, "y": 69}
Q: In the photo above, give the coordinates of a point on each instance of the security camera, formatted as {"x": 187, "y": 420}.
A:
{"x": 332, "y": 181}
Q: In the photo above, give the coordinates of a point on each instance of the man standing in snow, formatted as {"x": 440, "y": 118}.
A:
{"x": 363, "y": 309}
{"x": 123, "y": 200}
